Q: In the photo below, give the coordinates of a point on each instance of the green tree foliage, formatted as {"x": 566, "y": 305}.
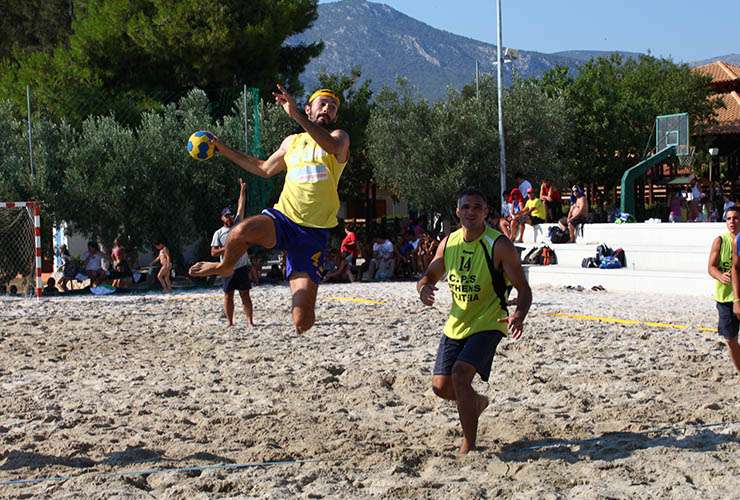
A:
{"x": 427, "y": 152}
{"x": 612, "y": 105}
{"x": 147, "y": 52}
{"x": 34, "y": 25}
{"x": 110, "y": 178}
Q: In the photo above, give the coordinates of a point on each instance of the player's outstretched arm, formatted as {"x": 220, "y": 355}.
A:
{"x": 335, "y": 142}
{"x": 242, "y": 203}
{"x": 512, "y": 266}
{"x": 263, "y": 168}
{"x": 434, "y": 272}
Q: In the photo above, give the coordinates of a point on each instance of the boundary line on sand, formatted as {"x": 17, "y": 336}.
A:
{"x": 201, "y": 468}
{"x": 608, "y": 319}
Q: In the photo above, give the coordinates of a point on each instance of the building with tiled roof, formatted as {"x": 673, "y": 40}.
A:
{"x": 726, "y": 82}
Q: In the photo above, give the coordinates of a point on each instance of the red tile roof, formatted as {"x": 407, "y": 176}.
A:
{"x": 729, "y": 116}
{"x": 720, "y": 71}
{"x": 726, "y": 82}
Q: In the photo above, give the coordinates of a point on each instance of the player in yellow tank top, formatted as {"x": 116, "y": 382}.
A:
{"x": 723, "y": 267}
{"x": 313, "y": 162}
{"x": 480, "y": 263}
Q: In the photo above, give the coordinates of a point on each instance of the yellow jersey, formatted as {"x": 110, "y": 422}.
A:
{"x": 537, "y": 208}
{"x": 310, "y": 197}
{"x": 478, "y": 296}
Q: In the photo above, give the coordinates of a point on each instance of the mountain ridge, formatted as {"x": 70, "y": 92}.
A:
{"x": 388, "y": 45}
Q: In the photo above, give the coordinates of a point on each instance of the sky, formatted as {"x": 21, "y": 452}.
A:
{"x": 683, "y": 30}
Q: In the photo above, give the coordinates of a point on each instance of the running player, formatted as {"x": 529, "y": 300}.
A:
{"x": 307, "y": 208}
{"x": 481, "y": 265}
{"x": 721, "y": 261}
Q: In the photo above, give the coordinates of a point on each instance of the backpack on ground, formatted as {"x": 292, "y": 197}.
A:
{"x": 620, "y": 256}
{"x": 603, "y": 251}
{"x": 558, "y": 235}
{"x": 533, "y": 256}
{"x": 589, "y": 262}
{"x": 610, "y": 262}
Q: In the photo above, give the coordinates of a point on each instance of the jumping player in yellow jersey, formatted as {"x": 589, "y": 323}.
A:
{"x": 307, "y": 208}
{"x": 481, "y": 266}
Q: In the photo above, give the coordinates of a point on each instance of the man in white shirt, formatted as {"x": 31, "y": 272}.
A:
{"x": 383, "y": 263}
{"x": 93, "y": 260}
{"x": 239, "y": 280}
{"x": 523, "y": 184}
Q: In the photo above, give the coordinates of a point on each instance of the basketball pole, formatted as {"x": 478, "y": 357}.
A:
{"x": 499, "y": 70}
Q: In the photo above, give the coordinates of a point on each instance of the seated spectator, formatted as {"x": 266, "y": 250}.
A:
{"x": 51, "y": 288}
{"x": 533, "y": 213}
{"x": 578, "y": 213}
{"x": 69, "y": 268}
{"x": 338, "y": 269}
{"x": 499, "y": 223}
{"x": 425, "y": 251}
{"x": 382, "y": 263}
{"x": 405, "y": 262}
{"x": 550, "y": 196}
{"x": 93, "y": 264}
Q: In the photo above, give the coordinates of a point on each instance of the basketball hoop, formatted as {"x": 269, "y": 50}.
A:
{"x": 685, "y": 155}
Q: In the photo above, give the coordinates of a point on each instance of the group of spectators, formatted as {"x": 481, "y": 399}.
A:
{"x": 117, "y": 267}
{"x": 404, "y": 257}
{"x": 543, "y": 205}
{"x": 695, "y": 202}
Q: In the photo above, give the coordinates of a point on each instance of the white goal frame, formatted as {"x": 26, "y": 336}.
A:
{"x": 35, "y": 210}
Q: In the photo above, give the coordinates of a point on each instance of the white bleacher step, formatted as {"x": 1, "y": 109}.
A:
{"x": 622, "y": 235}
{"x": 623, "y": 280}
{"x": 692, "y": 259}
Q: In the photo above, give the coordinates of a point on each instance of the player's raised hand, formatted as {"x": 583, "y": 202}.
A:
{"x": 516, "y": 325}
{"x": 242, "y": 185}
{"x": 284, "y": 99}
{"x": 426, "y": 294}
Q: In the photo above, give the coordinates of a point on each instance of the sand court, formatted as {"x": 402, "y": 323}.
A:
{"x": 154, "y": 396}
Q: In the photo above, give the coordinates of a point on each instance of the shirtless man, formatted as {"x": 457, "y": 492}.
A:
{"x": 481, "y": 265}
{"x": 578, "y": 213}
{"x": 300, "y": 221}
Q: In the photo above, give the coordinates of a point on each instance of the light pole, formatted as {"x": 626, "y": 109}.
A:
{"x": 499, "y": 71}
{"x": 508, "y": 56}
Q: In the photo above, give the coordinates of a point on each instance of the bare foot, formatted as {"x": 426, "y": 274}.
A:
{"x": 209, "y": 268}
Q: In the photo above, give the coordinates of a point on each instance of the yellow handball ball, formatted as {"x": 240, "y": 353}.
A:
{"x": 199, "y": 146}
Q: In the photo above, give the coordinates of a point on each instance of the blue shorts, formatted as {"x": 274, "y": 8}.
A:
{"x": 728, "y": 326}
{"x": 306, "y": 246}
{"x": 477, "y": 350}
{"x": 238, "y": 281}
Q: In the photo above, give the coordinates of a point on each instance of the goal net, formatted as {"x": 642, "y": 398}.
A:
{"x": 20, "y": 247}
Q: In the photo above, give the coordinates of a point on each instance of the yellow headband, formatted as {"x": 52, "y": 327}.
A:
{"x": 324, "y": 93}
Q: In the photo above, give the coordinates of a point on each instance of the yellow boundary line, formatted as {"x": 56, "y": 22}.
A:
{"x": 607, "y": 319}
{"x": 358, "y": 301}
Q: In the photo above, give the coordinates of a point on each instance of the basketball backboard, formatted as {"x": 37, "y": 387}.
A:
{"x": 672, "y": 130}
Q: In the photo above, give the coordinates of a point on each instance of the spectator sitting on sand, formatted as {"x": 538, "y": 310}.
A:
{"x": 93, "y": 259}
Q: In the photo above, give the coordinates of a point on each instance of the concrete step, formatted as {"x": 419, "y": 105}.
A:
{"x": 625, "y": 280}
{"x": 691, "y": 259}
{"x": 622, "y": 235}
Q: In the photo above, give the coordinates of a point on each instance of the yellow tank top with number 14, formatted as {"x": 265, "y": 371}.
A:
{"x": 475, "y": 305}
{"x": 310, "y": 197}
